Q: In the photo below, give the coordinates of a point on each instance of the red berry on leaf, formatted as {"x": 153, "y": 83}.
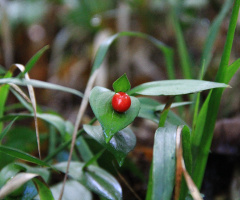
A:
{"x": 121, "y": 102}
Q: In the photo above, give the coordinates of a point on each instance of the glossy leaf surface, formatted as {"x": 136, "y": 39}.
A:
{"x": 120, "y": 145}
{"x": 94, "y": 178}
{"x": 122, "y": 84}
{"x": 174, "y": 87}
{"x": 164, "y": 158}
{"x": 73, "y": 191}
{"x": 110, "y": 120}
{"x": 22, "y": 155}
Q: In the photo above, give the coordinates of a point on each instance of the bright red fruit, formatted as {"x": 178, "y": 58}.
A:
{"x": 121, "y": 102}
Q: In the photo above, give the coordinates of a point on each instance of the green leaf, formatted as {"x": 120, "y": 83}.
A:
{"x": 150, "y": 184}
{"x": 212, "y": 35}
{"x": 148, "y": 109}
{"x": 94, "y": 178}
{"x": 122, "y": 84}
{"x": 120, "y": 145}
{"x": 174, "y": 87}
{"x": 43, "y": 172}
{"x": 40, "y": 84}
{"x": 164, "y": 158}
{"x": 4, "y": 90}
{"x": 232, "y": 69}
{"x": 102, "y": 51}
{"x": 150, "y": 106}
{"x": 64, "y": 127}
{"x": 8, "y": 172}
{"x": 72, "y": 190}
{"x": 22, "y": 155}
{"x": 187, "y": 156}
{"x": 33, "y": 60}
{"x": 110, "y": 120}
{"x": 43, "y": 190}
{"x": 4, "y": 132}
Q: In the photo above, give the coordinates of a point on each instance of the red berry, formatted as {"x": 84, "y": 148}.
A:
{"x": 121, "y": 102}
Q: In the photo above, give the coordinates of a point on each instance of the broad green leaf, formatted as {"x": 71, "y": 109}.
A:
{"x": 33, "y": 60}
{"x": 120, "y": 145}
{"x": 174, "y": 87}
{"x": 43, "y": 172}
{"x": 40, "y": 84}
{"x": 110, "y": 120}
{"x": 164, "y": 158}
{"x": 73, "y": 190}
{"x": 4, "y": 132}
{"x": 8, "y": 172}
{"x": 44, "y": 191}
{"x": 22, "y": 155}
{"x": 122, "y": 84}
{"x": 94, "y": 178}
{"x": 102, "y": 51}
{"x": 232, "y": 69}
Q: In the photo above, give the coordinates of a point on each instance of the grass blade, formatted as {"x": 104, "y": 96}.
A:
{"x": 102, "y": 51}
{"x": 214, "y": 102}
{"x": 22, "y": 155}
{"x": 2, "y": 134}
{"x": 212, "y": 34}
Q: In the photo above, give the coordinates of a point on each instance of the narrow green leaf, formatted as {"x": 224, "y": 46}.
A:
{"x": 40, "y": 84}
{"x": 64, "y": 127}
{"x": 120, "y": 145}
{"x": 33, "y": 60}
{"x": 150, "y": 184}
{"x": 182, "y": 48}
{"x": 94, "y": 178}
{"x": 212, "y": 34}
{"x": 232, "y": 69}
{"x": 214, "y": 102}
{"x": 102, "y": 51}
{"x": 174, "y": 87}
{"x": 43, "y": 190}
{"x": 93, "y": 159}
{"x": 110, "y": 120}
{"x": 122, "y": 84}
{"x": 72, "y": 190}
{"x": 164, "y": 158}
{"x": 187, "y": 156}
{"x": 22, "y": 155}
{"x": 4, "y": 90}
{"x": 4, "y": 132}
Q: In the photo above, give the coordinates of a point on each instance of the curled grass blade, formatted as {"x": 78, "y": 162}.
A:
{"x": 102, "y": 51}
